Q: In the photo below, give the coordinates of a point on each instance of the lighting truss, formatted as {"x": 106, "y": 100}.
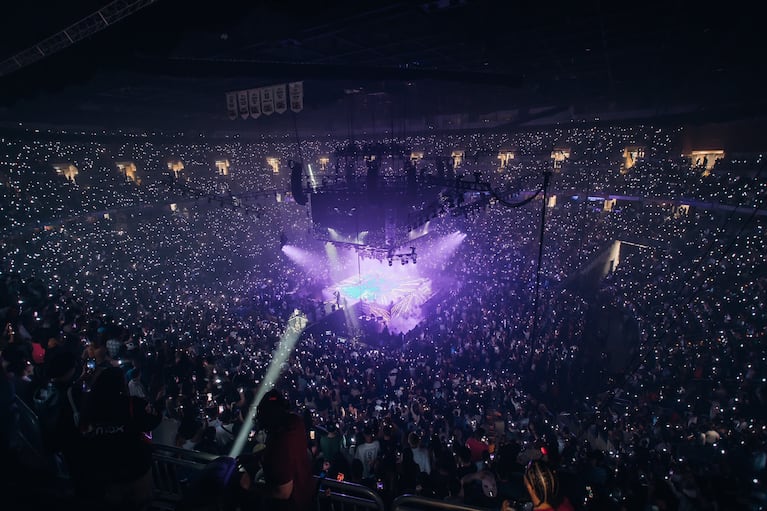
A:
{"x": 86, "y": 27}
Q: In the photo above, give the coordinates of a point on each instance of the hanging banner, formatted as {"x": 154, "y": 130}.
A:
{"x": 280, "y": 99}
{"x": 242, "y": 97}
{"x": 296, "y": 91}
{"x": 267, "y": 101}
{"x": 254, "y": 99}
{"x": 231, "y": 105}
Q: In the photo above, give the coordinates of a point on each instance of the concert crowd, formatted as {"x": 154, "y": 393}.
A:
{"x": 643, "y": 385}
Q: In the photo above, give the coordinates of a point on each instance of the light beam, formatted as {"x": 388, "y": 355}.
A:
{"x": 296, "y": 325}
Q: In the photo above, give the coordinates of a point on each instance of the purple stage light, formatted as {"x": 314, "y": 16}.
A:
{"x": 394, "y": 294}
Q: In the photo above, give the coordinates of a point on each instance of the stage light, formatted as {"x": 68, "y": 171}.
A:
{"x": 280, "y": 356}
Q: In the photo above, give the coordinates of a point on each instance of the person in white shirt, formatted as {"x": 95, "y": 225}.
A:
{"x": 420, "y": 454}
{"x": 367, "y": 453}
{"x": 135, "y": 387}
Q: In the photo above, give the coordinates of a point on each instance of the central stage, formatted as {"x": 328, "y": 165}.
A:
{"x": 394, "y": 300}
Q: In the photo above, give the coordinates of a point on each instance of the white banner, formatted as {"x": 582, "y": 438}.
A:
{"x": 267, "y": 101}
{"x": 231, "y": 104}
{"x": 296, "y": 91}
{"x": 242, "y": 97}
{"x": 280, "y": 99}
{"x": 255, "y": 103}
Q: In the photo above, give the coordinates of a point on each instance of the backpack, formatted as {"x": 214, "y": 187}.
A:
{"x": 48, "y": 404}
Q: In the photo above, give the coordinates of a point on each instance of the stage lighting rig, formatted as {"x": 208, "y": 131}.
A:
{"x": 376, "y": 202}
{"x": 381, "y": 254}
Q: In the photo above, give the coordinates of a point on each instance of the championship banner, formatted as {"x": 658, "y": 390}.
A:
{"x": 280, "y": 99}
{"x": 267, "y": 101}
{"x": 231, "y": 105}
{"x": 296, "y": 90}
{"x": 255, "y": 103}
{"x": 242, "y": 97}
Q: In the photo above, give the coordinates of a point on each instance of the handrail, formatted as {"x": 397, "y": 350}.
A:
{"x": 171, "y": 469}
{"x": 182, "y": 454}
{"x": 409, "y": 502}
{"x": 169, "y": 487}
{"x": 353, "y": 494}
{"x": 28, "y": 428}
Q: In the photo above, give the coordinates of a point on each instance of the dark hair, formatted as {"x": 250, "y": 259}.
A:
{"x": 464, "y": 453}
{"x": 271, "y": 409}
{"x": 109, "y": 384}
{"x": 273, "y": 400}
{"x": 58, "y": 362}
{"x": 107, "y": 395}
{"x": 543, "y": 483}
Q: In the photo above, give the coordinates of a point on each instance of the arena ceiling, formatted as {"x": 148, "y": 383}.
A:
{"x": 169, "y": 64}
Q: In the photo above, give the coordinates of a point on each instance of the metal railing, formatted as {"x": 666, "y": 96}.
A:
{"x": 172, "y": 469}
{"x": 28, "y": 439}
{"x": 28, "y": 428}
{"x": 341, "y": 496}
{"x": 416, "y": 503}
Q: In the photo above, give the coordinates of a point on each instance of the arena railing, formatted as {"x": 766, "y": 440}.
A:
{"x": 417, "y": 503}
{"x": 29, "y": 436}
{"x": 344, "y": 496}
{"x": 172, "y": 469}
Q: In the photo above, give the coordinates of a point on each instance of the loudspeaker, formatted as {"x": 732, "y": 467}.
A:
{"x": 296, "y": 183}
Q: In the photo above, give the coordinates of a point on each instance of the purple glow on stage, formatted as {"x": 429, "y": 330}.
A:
{"x": 391, "y": 294}
{"x": 385, "y": 289}
{"x": 394, "y": 294}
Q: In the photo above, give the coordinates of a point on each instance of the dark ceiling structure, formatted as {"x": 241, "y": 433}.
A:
{"x": 170, "y": 63}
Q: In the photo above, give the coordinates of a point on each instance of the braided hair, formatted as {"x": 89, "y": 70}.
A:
{"x": 542, "y": 484}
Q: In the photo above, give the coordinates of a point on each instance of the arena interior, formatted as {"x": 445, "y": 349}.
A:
{"x": 460, "y": 236}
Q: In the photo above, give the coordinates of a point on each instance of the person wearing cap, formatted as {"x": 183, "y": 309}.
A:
{"x": 288, "y": 482}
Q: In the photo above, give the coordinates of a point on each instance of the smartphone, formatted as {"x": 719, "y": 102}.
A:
{"x": 91, "y": 364}
{"x": 312, "y": 435}
{"x": 380, "y": 485}
{"x": 220, "y": 408}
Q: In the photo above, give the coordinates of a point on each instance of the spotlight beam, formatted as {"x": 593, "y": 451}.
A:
{"x": 296, "y": 325}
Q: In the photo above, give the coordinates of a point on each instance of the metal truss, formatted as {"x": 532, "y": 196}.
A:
{"x": 86, "y": 27}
